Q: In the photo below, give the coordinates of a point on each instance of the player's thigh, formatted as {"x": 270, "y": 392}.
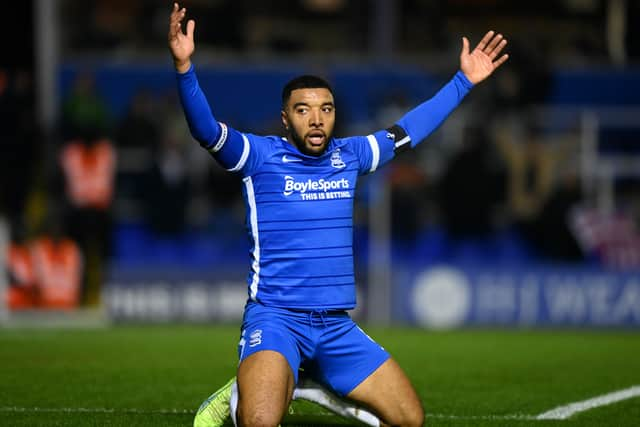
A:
{"x": 389, "y": 393}
{"x": 265, "y": 386}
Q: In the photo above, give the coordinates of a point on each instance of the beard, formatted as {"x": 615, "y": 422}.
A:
{"x": 299, "y": 142}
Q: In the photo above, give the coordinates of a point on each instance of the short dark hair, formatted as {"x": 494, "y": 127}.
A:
{"x": 306, "y": 81}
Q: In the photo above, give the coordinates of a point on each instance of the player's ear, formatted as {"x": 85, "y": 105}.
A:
{"x": 285, "y": 119}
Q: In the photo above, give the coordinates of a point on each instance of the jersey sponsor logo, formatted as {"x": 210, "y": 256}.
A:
{"x": 336, "y": 160}
{"x": 314, "y": 185}
{"x": 286, "y": 159}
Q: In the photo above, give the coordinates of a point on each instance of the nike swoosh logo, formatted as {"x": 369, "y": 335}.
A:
{"x": 286, "y": 159}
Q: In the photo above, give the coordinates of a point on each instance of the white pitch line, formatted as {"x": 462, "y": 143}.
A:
{"x": 481, "y": 417}
{"x": 564, "y": 412}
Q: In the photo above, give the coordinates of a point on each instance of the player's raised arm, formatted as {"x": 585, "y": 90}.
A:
{"x": 226, "y": 144}
{"x": 416, "y": 125}
{"x": 483, "y": 60}
{"x": 181, "y": 45}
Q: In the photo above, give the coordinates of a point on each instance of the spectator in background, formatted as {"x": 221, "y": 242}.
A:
{"x": 181, "y": 171}
{"x": 137, "y": 135}
{"x": 58, "y": 266}
{"x": 139, "y": 127}
{"x": 167, "y": 187}
{"x": 88, "y": 170}
{"x": 85, "y": 114}
{"x": 87, "y": 165}
{"x": 44, "y": 271}
{"x": 474, "y": 173}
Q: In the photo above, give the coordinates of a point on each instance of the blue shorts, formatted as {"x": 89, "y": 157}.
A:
{"x": 328, "y": 346}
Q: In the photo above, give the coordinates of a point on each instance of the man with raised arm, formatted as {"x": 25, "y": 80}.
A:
{"x": 298, "y": 191}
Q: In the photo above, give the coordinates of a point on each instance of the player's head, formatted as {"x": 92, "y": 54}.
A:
{"x": 308, "y": 113}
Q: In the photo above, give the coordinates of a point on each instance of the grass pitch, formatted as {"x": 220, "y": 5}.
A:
{"x": 158, "y": 375}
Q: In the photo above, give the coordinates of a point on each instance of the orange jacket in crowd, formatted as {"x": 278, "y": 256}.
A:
{"x": 89, "y": 173}
{"x": 49, "y": 274}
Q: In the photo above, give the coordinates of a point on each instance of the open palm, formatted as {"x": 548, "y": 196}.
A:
{"x": 481, "y": 62}
{"x": 180, "y": 44}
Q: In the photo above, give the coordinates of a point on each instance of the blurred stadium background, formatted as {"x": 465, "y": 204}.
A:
{"x": 522, "y": 209}
{"x": 520, "y": 213}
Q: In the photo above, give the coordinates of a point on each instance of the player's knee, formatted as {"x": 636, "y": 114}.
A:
{"x": 415, "y": 418}
{"x": 409, "y": 417}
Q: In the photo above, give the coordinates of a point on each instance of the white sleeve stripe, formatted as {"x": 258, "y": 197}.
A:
{"x": 402, "y": 141}
{"x": 375, "y": 152}
{"x": 243, "y": 157}
{"x": 221, "y": 140}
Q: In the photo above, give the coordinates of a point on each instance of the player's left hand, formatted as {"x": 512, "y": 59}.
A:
{"x": 481, "y": 62}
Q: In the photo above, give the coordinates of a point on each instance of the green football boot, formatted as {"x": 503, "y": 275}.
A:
{"x": 214, "y": 412}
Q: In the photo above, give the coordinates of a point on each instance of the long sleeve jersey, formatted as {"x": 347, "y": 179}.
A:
{"x": 299, "y": 208}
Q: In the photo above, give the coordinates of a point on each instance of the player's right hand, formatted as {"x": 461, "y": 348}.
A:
{"x": 181, "y": 44}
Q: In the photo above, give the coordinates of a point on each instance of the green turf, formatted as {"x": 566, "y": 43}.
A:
{"x": 157, "y": 376}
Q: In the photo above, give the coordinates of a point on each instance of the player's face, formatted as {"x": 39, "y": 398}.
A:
{"x": 309, "y": 118}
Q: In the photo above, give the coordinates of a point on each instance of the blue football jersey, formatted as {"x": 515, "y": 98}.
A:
{"x": 299, "y": 215}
